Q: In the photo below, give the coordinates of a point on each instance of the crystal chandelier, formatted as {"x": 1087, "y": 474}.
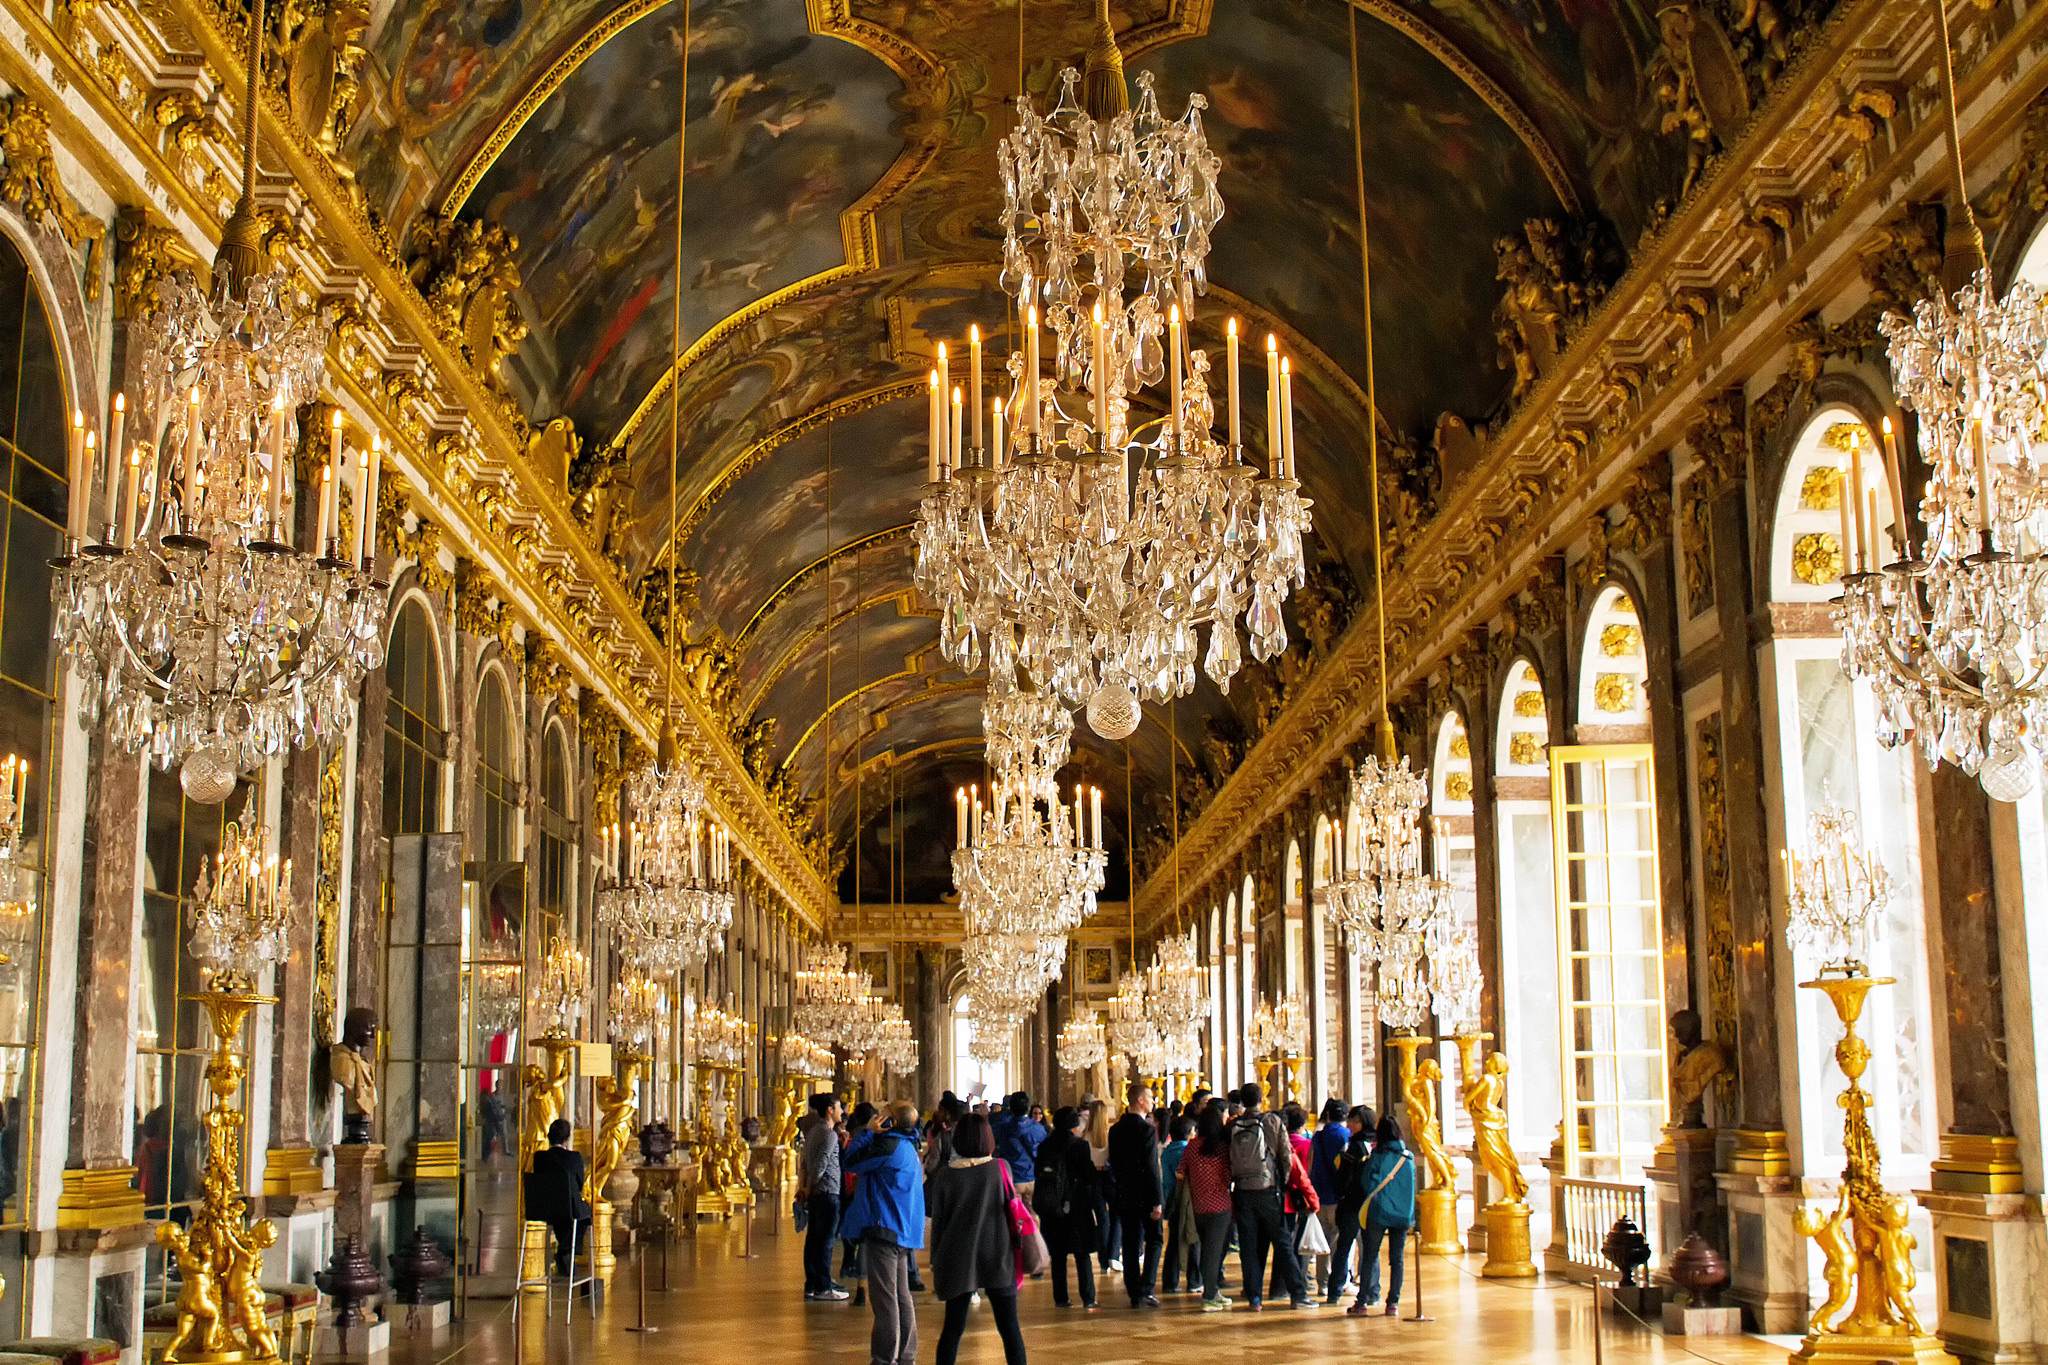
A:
{"x": 896, "y": 1046}
{"x": 665, "y": 888}
{"x": 1130, "y": 1026}
{"x": 639, "y": 1004}
{"x": 1952, "y": 634}
{"x": 1280, "y": 1030}
{"x": 723, "y": 1040}
{"x": 496, "y": 999}
{"x": 1400, "y": 916}
{"x": 243, "y": 908}
{"x": 19, "y": 883}
{"x": 562, "y": 993}
{"x": 1047, "y": 551}
{"x": 828, "y": 996}
{"x": 203, "y": 630}
{"x": 801, "y": 1056}
{"x": 1081, "y": 1044}
{"x": 1176, "y": 987}
{"x": 1838, "y": 890}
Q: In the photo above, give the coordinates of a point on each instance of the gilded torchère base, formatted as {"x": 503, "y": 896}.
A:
{"x": 1436, "y": 1218}
{"x": 1856, "y": 1349}
{"x": 1507, "y": 1243}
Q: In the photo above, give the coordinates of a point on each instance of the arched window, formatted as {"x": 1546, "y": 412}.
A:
{"x": 968, "y": 1070}
{"x": 1528, "y": 907}
{"x": 1247, "y": 976}
{"x": 1828, "y": 754}
{"x": 1326, "y": 981}
{"x": 1610, "y": 921}
{"x": 496, "y": 833}
{"x": 1218, "y": 1023}
{"x": 1294, "y": 939}
{"x": 1452, "y": 855}
{"x": 557, "y": 826}
{"x": 415, "y": 744}
{"x": 1231, "y": 1059}
{"x": 1361, "y": 1019}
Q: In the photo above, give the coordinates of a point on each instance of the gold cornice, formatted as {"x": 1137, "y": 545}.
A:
{"x": 1403, "y": 20}
{"x": 537, "y": 93}
{"x": 762, "y": 837}
{"x": 1334, "y": 709}
{"x": 797, "y": 579}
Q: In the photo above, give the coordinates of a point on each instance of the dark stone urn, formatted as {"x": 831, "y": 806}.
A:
{"x": 349, "y": 1280}
{"x": 416, "y": 1265}
{"x": 1699, "y": 1270}
{"x": 657, "y": 1142}
{"x": 1627, "y": 1249}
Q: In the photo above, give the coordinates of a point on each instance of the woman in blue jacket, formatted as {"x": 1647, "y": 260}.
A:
{"x": 1389, "y": 1181}
{"x": 886, "y": 1215}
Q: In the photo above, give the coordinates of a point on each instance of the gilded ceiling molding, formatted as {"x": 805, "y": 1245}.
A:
{"x": 1536, "y": 485}
{"x": 549, "y": 81}
{"x": 700, "y": 506}
{"x": 902, "y": 594}
{"x": 1405, "y": 20}
{"x": 809, "y": 571}
{"x": 913, "y": 662}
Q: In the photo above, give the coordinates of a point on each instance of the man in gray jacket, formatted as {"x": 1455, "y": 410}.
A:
{"x": 817, "y": 1187}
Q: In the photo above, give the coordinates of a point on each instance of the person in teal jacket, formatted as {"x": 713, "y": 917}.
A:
{"x": 1389, "y": 1181}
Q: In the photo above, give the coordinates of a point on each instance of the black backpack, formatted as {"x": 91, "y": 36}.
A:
{"x": 1053, "y": 1194}
{"x": 1251, "y": 1153}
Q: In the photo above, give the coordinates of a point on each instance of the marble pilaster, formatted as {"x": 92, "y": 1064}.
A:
{"x": 372, "y": 852}
{"x": 292, "y": 1017}
{"x": 1658, "y": 611}
{"x": 100, "y": 1117}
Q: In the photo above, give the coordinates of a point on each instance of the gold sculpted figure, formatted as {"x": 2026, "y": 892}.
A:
{"x": 1837, "y": 1246}
{"x": 1485, "y": 1101}
{"x": 244, "y": 1294}
{"x": 1423, "y": 1128}
{"x": 545, "y": 1087}
{"x": 1699, "y": 1064}
{"x": 200, "y": 1330}
{"x": 617, "y": 1118}
{"x": 1890, "y": 1254}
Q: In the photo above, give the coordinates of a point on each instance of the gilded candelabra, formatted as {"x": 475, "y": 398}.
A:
{"x": 1436, "y": 1204}
{"x": 618, "y": 1120}
{"x": 1868, "y": 1313}
{"x": 220, "y": 1255}
{"x": 1507, "y": 1218}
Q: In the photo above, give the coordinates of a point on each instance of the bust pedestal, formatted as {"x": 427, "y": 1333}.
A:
{"x": 1687, "y": 1199}
{"x": 356, "y": 1165}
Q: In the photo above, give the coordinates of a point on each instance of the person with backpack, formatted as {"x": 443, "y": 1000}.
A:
{"x": 1389, "y": 1212}
{"x": 1182, "y": 1249}
{"x": 1204, "y": 1171}
{"x": 1140, "y": 1204}
{"x": 1350, "y": 1202}
{"x": 886, "y": 1216}
{"x": 1260, "y": 1160}
{"x": 1064, "y": 1200}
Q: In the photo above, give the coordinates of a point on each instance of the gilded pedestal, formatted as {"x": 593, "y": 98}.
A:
{"x": 1436, "y": 1219}
{"x": 1507, "y": 1242}
{"x": 1436, "y": 1207}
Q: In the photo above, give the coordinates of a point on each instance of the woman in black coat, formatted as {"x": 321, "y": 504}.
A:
{"x": 1065, "y": 1200}
{"x": 973, "y": 1245}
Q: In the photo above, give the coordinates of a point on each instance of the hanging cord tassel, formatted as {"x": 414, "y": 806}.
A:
{"x": 1384, "y": 745}
{"x": 240, "y": 257}
{"x": 1103, "y": 91}
{"x": 1962, "y": 242}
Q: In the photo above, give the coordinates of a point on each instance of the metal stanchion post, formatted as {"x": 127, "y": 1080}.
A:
{"x": 748, "y": 1254}
{"x": 1418, "y": 1315}
{"x": 1596, "y": 1318}
{"x": 667, "y": 1236}
{"x": 641, "y": 1325}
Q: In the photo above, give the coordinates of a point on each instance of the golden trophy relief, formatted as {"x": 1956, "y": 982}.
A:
{"x": 1436, "y": 1202}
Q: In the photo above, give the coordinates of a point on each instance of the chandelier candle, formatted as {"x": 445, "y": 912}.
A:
{"x": 1236, "y": 435}
{"x": 1276, "y": 466}
{"x": 134, "y": 496}
{"x": 974, "y": 385}
{"x": 1174, "y": 344}
{"x": 1891, "y": 469}
{"x": 1286, "y": 419}
{"x": 933, "y": 425}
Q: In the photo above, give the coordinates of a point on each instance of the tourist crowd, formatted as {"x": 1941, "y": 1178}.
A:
{"x": 1160, "y": 1196}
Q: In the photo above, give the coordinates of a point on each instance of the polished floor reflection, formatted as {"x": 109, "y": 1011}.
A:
{"x": 720, "y": 1298}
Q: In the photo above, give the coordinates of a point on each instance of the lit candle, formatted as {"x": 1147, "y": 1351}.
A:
{"x": 326, "y": 505}
{"x": 1095, "y": 801}
{"x": 21, "y": 787}
{"x": 134, "y": 497}
{"x": 74, "y": 463}
{"x": 1842, "y": 507}
{"x": 276, "y": 463}
{"x": 948, "y": 421}
{"x": 1078, "y": 826}
{"x": 1099, "y": 379}
{"x": 974, "y": 380}
{"x": 115, "y": 446}
{"x": 190, "y": 485}
{"x": 1287, "y": 416}
{"x": 1236, "y": 434}
{"x": 1986, "y": 504}
{"x": 1856, "y": 484}
{"x": 1870, "y": 550}
{"x": 1273, "y": 465}
{"x": 995, "y": 454}
{"x": 362, "y": 509}
{"x": 1031, "y": 413}
{"x": 932, "y": 423}
{"x": 957, "y": 424}
{"x": 91, "y": 456}
{"x": 1173, "y": 337}
{"x": 1897, "y": 480}
{"x": 960, "y": 817}
{"x": 370, "y": 501}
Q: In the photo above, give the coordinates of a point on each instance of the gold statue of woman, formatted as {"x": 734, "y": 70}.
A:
{"x": 1420, "y": 1092}
{"x": 546, "y": 1094}
{"x": 1486, "y": 1102}
{"x": 618, "y": 1114}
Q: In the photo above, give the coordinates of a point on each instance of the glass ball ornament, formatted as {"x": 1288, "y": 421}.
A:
{"x": 1113, "y": 711}
{"x": 208, "y": 777}
{"x": 2008, "y": 771}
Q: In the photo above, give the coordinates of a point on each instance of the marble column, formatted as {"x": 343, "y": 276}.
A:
{"x": 96, "y": 1182}
{"x": 299, "y": 838}
{"x": 1767, "y": 1257}
{"x": 1659, "y": 609}
{"x": 372, "y": 852}
{"x": 1988, "y": 1233}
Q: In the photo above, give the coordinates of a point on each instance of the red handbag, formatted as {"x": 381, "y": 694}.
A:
{"x": 1032, "y": 1255}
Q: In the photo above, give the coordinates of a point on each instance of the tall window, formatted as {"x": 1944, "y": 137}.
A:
{"x": 1231, "y": 1059}
{"x": 557, "y": 825}
{"x": 1453, "y": 855}
{"x": 497, "y": 776}
{"x": 33, "y": 492}
{"x": 415, "y": 745}
{"x": 1326, "y": 985}
{"x": 1247, "y": 975}
{"x": 1218, "y": 997}
{"x": 1610, "y": 932}
{"x": 1528, "y": 907}
{"x": 968, "y": 1070}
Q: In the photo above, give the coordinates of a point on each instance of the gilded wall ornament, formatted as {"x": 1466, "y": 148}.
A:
{"x": 1817, "y": 558}
{"x": 1696, "y": 539}
{"x": 1457, "y": 786}
{"x": 1525, "y": 748}
{"x": 1714, "y": 880}
{"x": 1614, "y": 693}
{"x": 1529, "y": 704}
{"x": 327, "y": 897}
{"x": 1621, "y": 641}
{"x": 1821, "y": 489}
{"x": 467, "y": 270}
{"x": 29, "y": 178}
{"x": 144, "y": 253}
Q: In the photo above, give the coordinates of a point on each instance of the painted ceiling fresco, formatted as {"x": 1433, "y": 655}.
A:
{"x": 879, "y": 129}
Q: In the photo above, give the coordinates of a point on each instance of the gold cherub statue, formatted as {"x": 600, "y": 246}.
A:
{"x": 1838, "y": 1248}
{"x": 200, "y": 1330}
{"x": 244, "y": 1293}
